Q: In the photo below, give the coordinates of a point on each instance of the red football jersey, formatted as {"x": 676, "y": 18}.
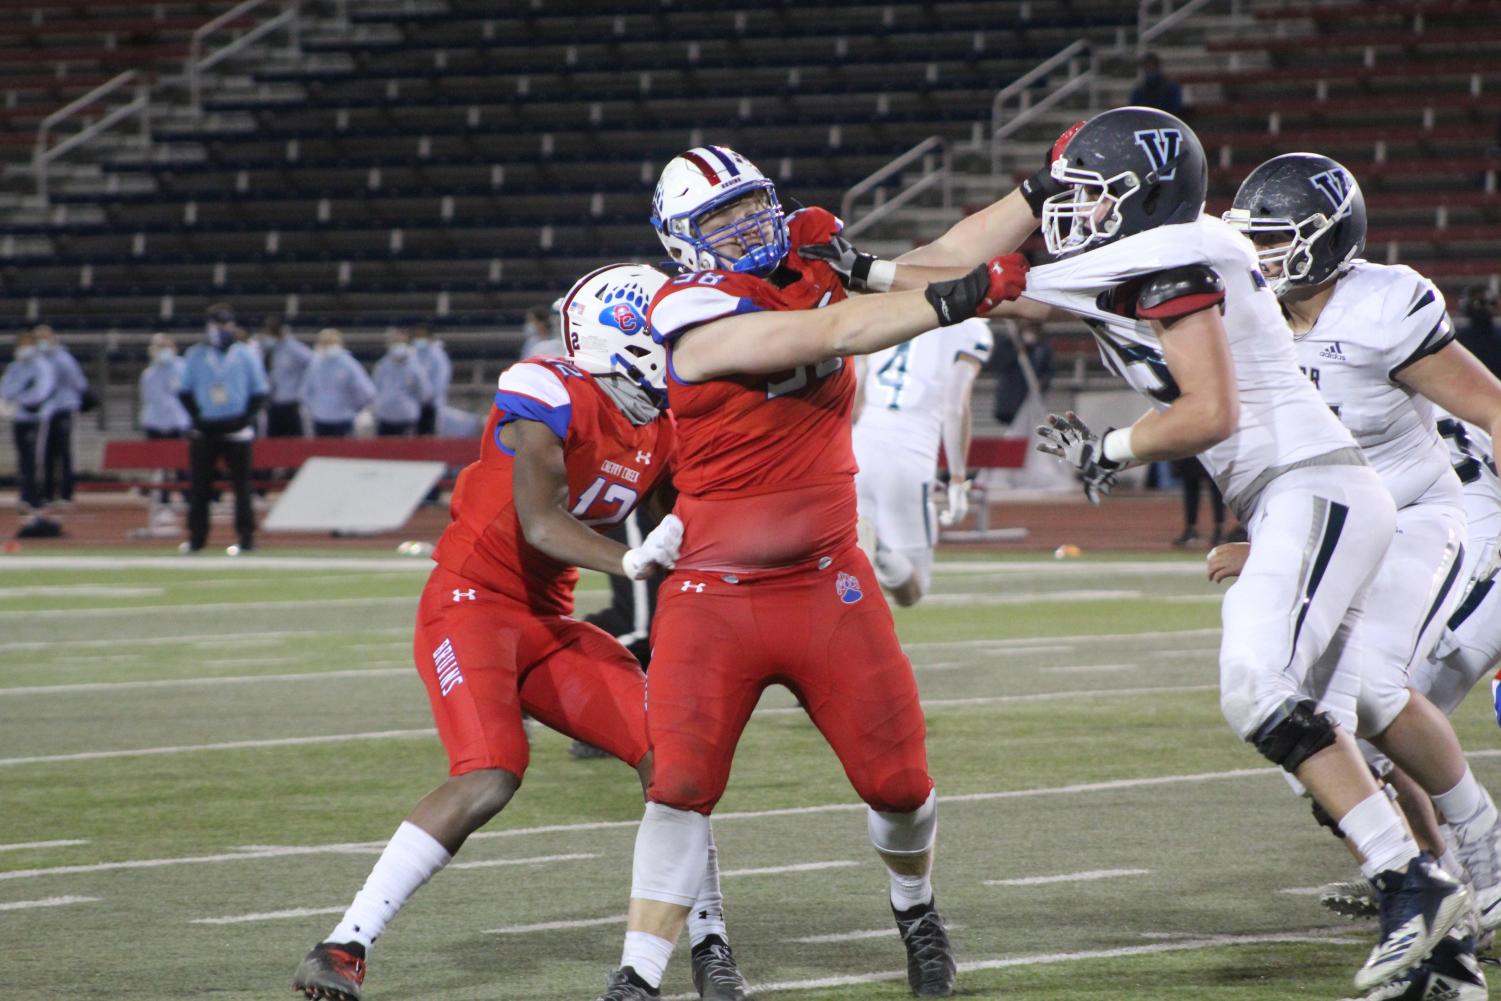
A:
{"x": 611, "y": 465}
{"x": 764, "y": 467}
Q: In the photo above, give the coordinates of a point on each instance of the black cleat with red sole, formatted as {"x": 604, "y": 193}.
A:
{"x": 332, "y": 972}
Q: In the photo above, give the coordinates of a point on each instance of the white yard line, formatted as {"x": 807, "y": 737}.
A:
{"x": 252, "y": 852}
{"x": 491, "y": 863}
{"x": 238, "y": 679}
{"x": 613, "y": 919}
{"x": 1319, "y": 935}
{"x": 217, "y": 641}
{"x": 17, "y": 846}
{"x": 1075, "y": 639}
{"x": 337, "y": 738}
{"x": 1090, "y": 668}
{"x": 78, "y": 591}
{"x": 296, "y": 912}
{"x": 238, "y": 607}
{"x": 232, "y": 745}
{"x": 1068, "y": 877}
{"x": 26, "y": 905}
{"x": 1031, "y": 598}
{"x": 772, "y": 870}
{"x": 200, "y": 563}
{"x": 1093, "y": 568}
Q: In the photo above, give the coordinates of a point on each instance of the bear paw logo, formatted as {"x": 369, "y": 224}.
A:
{"x": 848, "y": 587}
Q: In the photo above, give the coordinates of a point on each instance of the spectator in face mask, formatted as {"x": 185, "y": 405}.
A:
{"x": 162, "y": 413}
{"x": 433, "y": 357}
{"x": 401, "y": 388}
{"x": 223, "y": 389}
{"x": 335, "y": 387}
{"x": 72, "y": 395}
{"x": 28, "y": 385}
{"x": 286, "y": 365}
{"x": 537, "y": 334}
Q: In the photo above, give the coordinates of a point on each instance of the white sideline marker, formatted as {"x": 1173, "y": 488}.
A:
{"x": 25, "y": 905}
{"x": 1326, "y": 936}
{"x": 251, "y": 852}
{"x": 613, "y": 919}
{"x": 296, "y": 912}
{"x": 538, "y": 860}
{"x": 772, "y": 870}
{"x": 1069, "y": 877}
{"x": 20, "y": 845}
{"x": 856, "y": 936}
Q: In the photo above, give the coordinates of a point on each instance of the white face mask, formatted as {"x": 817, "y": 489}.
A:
{"x": 164, "y": 354}
{"x": 327, "y": 350}
{"x": 399, "y": 351}
{"x": 25, "y": 351}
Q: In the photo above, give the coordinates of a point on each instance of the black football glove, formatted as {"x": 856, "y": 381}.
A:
{"x": 852, "y": 266}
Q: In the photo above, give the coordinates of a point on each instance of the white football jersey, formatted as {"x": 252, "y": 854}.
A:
{"x": 1283, "y": 420}
{"x": 1380, "y": 319}
{"x": 906, "y": 387}
{"x": 1473, "y": 457}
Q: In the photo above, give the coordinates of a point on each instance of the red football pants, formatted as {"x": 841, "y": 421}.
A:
{"x": 486, "y": 658}
{"x": 825, "y": 634}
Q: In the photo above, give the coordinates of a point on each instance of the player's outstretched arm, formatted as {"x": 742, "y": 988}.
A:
{"x": 1207, "y": 410}
{"x": 768, "y": 342}
{"x": 1459, "y": 382}
{"x": 539, "y": 487}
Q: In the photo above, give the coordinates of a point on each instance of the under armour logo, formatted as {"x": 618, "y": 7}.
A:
{"x": 689, "y": 585}
{"x": 1162, "y": 147}
{"x": 644, "y": 458}
{"x": 1334, "y": 184}
{"x": 461, "y": 595}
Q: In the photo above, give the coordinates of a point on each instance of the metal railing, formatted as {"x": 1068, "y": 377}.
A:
{"x": 44, "y": 154}
{"x": 937, "y": 168}
{"x": 1157, "y": 17}
{"x": 1016, "y": 105}
{"x": 198, "y": 62}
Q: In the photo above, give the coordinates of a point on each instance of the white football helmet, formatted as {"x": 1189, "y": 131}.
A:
{"x": 703, "y": 181}
{"x": 605, "y": 329}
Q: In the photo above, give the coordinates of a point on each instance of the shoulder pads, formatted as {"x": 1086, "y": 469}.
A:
{"x": 1177, "y": 292}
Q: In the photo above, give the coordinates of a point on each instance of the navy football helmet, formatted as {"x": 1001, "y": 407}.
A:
{"x": 1306, "y": 215}
{"x": 1125, "y": 171}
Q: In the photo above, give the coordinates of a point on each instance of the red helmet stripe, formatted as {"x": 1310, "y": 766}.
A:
{"x": 703, "y": 165}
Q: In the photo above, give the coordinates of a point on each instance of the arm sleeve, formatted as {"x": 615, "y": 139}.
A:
{"x": 533, "y": 392}
{"x": 1424, "y": 327}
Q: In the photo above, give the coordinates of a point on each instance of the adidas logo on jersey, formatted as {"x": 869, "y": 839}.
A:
{"x": 1333, "y": 352}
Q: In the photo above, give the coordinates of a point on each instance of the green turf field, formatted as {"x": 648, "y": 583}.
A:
{"x": 199, "y": 761}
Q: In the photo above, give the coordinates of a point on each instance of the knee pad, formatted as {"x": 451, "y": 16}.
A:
{"x": 672, "y": 850}
{"x": 1293, "y": 733}
{"x": 1379, "y": 707}
{"x": 904, "y": 833}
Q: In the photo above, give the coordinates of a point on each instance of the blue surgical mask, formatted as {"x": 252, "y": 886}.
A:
{"x": 25, "y": 351}
{"x": 220, "y": 337}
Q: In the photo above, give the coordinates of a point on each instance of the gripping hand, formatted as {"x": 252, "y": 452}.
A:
{"x": 657, "y": 553}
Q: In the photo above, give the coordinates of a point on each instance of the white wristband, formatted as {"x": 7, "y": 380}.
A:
{"x": 1116, "y": 446}
{"x": 882, "y": 274}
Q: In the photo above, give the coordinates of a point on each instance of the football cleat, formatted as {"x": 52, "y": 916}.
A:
{"x": 930, "y": 958}
{"x": 715, "y": 975}
{"x": 1479, "y": 851}
{"x": 1353, "y": 898}
{"x": 621, "y": 986}
{"x": 332, "y": 972}
{"x": 1417, "y": 908}
{"x": 1450, "y": 974}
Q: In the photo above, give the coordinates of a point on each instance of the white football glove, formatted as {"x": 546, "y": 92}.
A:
{"x": 958, "y": 504}
{"x": 1070, "y": 439}
{"x": 659, "y": 549}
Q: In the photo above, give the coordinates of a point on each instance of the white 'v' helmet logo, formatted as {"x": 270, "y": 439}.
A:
{"x": 1334, "y": 184}
{"x": 1162, "y": 147}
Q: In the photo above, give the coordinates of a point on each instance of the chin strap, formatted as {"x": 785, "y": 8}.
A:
{"x": 633, "y": 399}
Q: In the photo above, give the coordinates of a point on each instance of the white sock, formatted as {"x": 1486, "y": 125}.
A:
{"x": 1466, "y": 804}
{"x": 411, "y": 858}
{"x": 908, "y": 892}
{"x": 1377, "y": 833}
{"x": 707, "y": 916}
{"x": 647, "y": 955}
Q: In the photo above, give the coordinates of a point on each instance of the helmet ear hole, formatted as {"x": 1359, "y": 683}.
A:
{"x": 1153, "y": 196}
